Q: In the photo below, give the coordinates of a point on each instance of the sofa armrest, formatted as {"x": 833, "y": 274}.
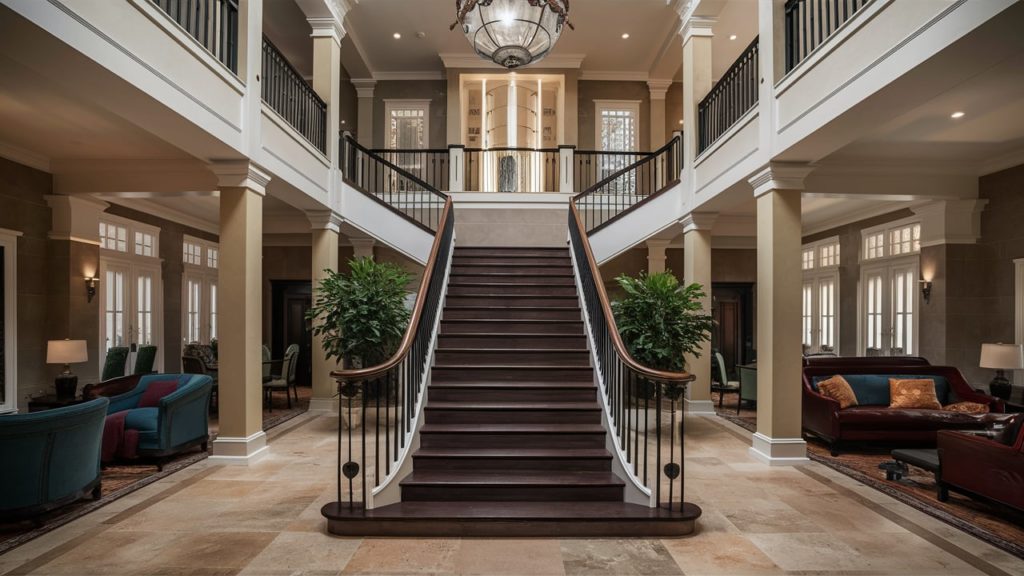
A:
{"x": 126, "y": 401}
{"x": 982, "y": 466}
{"x": 819, "y": 414}
{"x": 183, "y": 413}
{"x": 965, "y": 393}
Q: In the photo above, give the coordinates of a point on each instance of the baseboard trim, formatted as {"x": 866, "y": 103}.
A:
{"x": 699, "y": 407}
{"x": 239, "y": 451}
{"x": 778, "y": 451}
{"x": 323, "y": 405}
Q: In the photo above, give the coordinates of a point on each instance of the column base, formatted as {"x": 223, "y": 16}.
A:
{"x": 323, "y": 405}
{"x": 779, "y": 451}
{"x": 243, "y": 451}
{"x": 699, "y": 407}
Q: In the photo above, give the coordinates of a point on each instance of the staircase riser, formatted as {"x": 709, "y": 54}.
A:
{"x": 559, "y": 270}
{"x": 511, "y": 289}
{"x": 510, "y": 300}
{"x": 482, "y": 251}
{"x": 500, "y": 464}
{"x": 511, "y": 374}
{"x": 477, "y": 278}
{"x": 511, "y": 314}
{"x": 509, "y": 341}
{"x": 512, "y": 416}
{"x": 512, "y": 327}
{"x": 515, "y": 440}
{"x": 537, "y": 358}
{"x": 509, "y": 395}
{"x": 461, "y": 493}
{"x": 467, "y": 260}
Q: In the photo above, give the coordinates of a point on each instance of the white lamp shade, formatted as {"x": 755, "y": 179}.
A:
{"x": 66, "y": 352}
{"x": 1002, "y": 356}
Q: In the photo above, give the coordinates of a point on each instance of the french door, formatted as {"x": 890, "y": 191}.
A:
{"x": 200, "y": 307}
{"x": 130, "y": 301}
{"x": 889, "y": 314}
{"x": 820, "y": 313}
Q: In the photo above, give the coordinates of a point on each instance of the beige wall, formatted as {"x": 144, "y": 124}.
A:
{"x": 673, "y": 109}
{"x": 348, "y": 113}
{"x": 434, "y": 90}
{"x": 589, "y": 90}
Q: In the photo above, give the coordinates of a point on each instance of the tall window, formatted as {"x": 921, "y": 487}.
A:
{"x": 130, "y": 285}
{"x": 408, "y": 123}
{"x": 618, "y": 125}
{"x": 199, "y": 286}
{"x": 820, "y": 264}
{"x": 890, "y": 289}
{"x": 9, "y": 320}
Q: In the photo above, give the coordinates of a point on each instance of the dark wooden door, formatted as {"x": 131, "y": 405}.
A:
{"x": 733, "y": 334}
{"x": 291, "y": 301}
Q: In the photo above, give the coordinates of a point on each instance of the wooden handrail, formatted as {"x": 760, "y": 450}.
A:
{"x": 417, "y": 312}
{"x": 401, "y": 171}
{"x": 620, "y": 348}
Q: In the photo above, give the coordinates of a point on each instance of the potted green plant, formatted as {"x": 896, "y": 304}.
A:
{"x": 661, "y": 320}
{"x": 361, "y": 316}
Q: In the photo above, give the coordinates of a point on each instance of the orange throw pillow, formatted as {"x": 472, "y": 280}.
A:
{"x": 838, "y": 389}
{"x": 967, "y": 408}
{"x": 917, "y": 393}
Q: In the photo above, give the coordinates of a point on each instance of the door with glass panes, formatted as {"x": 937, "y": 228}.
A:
{"x": 889, "y": 304}
{"x": 129, "y": 317}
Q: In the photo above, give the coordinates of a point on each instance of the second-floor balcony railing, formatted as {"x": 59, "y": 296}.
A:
{"x": 430, "y": 166}
{"x": 288, "y": 93}
{"x": 810, "y": 22}
{"x": 213, "y": 23}
{"x": 731, "y": 98}
{"x": 511, "y": 170}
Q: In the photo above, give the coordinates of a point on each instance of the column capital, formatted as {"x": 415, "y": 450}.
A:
{"x": 241, "y": 174}
{"x": 780, "y": 176}
{"x": 75, "y": 218}
{"x": 658, "y": 88}
{"x": 950, "y": 221}
{"x": 324, "y": 220}
{"x": 698, "y": 221}
{"x": 364, "y": 87}
{"x": 326, "y": 27}
{"x": 362, "y": 247}
{"x": 697, "y": 26}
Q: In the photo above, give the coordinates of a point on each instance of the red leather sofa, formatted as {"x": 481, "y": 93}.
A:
{"x": 111, "y": 387}
{"x": 873, "y": 420}
{"x": 981, "y": 466}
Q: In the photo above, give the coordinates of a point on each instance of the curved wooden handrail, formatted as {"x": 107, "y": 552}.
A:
{"x": 417, "y": 312}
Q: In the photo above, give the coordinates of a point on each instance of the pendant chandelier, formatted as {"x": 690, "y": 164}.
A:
{"x": 512, "y": 33}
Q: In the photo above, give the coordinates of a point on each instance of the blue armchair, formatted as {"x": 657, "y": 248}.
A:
{"x": 50, "y": 458}
{"x": 178, "y": 421}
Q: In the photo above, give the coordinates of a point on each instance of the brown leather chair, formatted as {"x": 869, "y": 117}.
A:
{"x": 986, "y": 467}
{"x": 112, "y": 387}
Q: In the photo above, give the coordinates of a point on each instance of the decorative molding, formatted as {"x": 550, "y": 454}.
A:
{"x": 241, "y": 174}
{"x": 697, "y": 26}
{"x": 326, "y": 27}
{"x": 613, "y": 76}
{"x": 166, "y": 212}
{"x": 362, "y": 247}
{"x": 698, "y": 407}
{"x": 778, "y": 451}
{"x": 950, "y": 221}
{"x": 364, "y": 87}
{"x": 409, "y": 76}
{"x": 25, "y": 157}
{"x": 698, "y": 221}
{"x": 658, "y": 88}
{"x": 244, "y": 451}
{"x": 462, "y": 60}
{"x": 325, "y": 220}
{"x": 75, "y": 218}
{"x": 780, "y": 176}
{"x": 997, "y": 164}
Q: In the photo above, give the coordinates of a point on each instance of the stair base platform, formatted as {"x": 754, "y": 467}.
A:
{"x": 511, "y": 519}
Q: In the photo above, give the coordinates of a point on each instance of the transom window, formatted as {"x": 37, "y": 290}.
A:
{"x": 129, "y": 237}
{"x": 144, "y": 244}
{"x": 192, "y": 253}
{"x": 820, "y": 254}
{"x": 894, "y": 239}
{"x": 113, "y": 237}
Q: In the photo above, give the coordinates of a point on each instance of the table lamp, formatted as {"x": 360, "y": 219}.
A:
{"x": 1001, "y": 357}
{"x": 66, "y": 352}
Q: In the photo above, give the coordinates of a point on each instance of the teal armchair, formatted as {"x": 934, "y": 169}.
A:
{"x": 177, "y": 422}
{"x": 50, "y": 458}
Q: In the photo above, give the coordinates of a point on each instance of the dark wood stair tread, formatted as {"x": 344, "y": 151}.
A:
{"x": 512, "y": 429}
{"x": 514, "y": 406}
{"x": 520, "y": 385}
{"x": 510, "y": 478}
{"x": 514, "y": 453}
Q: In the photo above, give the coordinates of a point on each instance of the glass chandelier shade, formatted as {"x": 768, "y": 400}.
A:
{"x": 512, "y": 33}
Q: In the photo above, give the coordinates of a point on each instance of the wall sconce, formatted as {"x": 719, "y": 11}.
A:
{"x": 90, "y": 287}
{"x": 926, "y": 291}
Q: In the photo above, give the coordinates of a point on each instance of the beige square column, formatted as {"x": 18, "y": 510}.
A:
{"x": 697, "y": 36}
{"x": 327, "y": 35}
{"x": 240, "y": 390}
{"x": 364, "y": 126}
{"x": 778, "y": 440}
{"x": 326, "y": 228}
{"x": 697, "y": 269}
{"x": 658, "y": 89}
{"x": 656, "y": 255}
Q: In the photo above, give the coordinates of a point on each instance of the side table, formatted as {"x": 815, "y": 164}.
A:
{"x": 50, "y": 401}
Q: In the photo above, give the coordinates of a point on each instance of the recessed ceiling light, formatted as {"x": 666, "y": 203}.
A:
{"x": 957, "y": 115}
{"x": 625, "y": 36}
{"x": 733, "y": 37}
{"x": 397, "y": 36}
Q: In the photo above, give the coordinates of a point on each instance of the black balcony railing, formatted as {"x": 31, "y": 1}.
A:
{"x": 391, "y": 185}
{"x": 810, "y": 22}
{"x": 430, "y": 166}
{"x": 591, "y": 166}
{"x": 213, "y": 23}
{"x": 629, "y": 186}
{"x": 288, "y": 93}
{"x": 729, "y": 99}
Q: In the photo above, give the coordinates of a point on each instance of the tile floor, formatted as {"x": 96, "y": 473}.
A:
{"x": 264, "y": 520}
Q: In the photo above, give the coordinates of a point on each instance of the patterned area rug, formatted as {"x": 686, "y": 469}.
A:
{"x": 123, "y": 479}
{"x": 992, "y": 523}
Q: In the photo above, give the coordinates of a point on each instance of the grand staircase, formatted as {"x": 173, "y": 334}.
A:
{"x": 512, "y": 442}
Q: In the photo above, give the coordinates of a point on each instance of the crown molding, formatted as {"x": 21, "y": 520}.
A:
{"x": 326, "y": 27}
{"x": 697, "y": 26}
{"x": 409, "y": 76}
{"x": 999, "y": 163}
{"x": 164, "y": 211}
{"x": 25, "y": 157}
{"x": 462, "y": 60}
{"x": 613, "y": 76}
